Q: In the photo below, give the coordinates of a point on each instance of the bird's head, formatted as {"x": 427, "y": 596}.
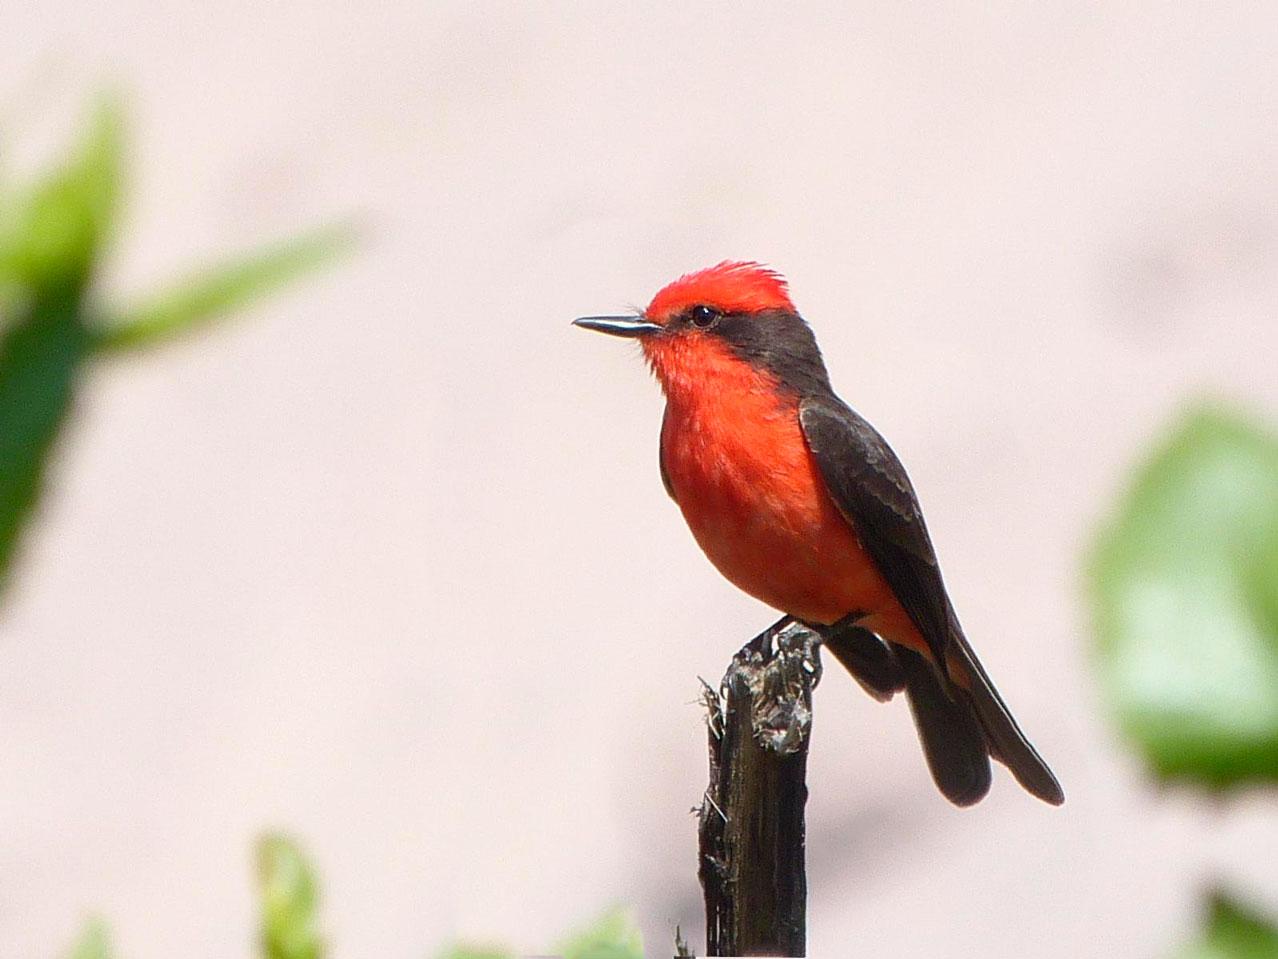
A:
{"x": 721, "y": 328}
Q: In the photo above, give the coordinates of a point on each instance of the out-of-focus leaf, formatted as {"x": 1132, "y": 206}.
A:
{"x": 289, "y": 897}
{"x": 213, "y": 293}
{"x": 475, "y": 952}
{"x": 94, "y": 942}
{"x": 13, "y": 291}
{"x": 613, "y": 936}
{"x": 14, "y": 299}
{"x": 52, "y": 235}
{"x": 1184, "y": 581}
{"x": 40, "y": 357}
{"x": 1233, "y": 932}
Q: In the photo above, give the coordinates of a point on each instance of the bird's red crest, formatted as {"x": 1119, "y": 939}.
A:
{"x": 730, "y": 287}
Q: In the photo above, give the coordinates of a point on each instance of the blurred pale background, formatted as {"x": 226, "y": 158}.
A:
{"x": 389, "y": 564}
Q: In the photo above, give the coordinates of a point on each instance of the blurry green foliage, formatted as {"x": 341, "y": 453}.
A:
{"x": 1233, "y": 932}
{"x": 289, "y": 900}
{"x": 52, "y": 233}
{"x": 53, "y": 236}
{"x": 94, "y": 942}
{"x": 212, "y": 293}
{"x": 613, "y": 936}
{"x": 1184, "y": 581}
{"x": 475, "y": 952}
{"x": 289, "y": 897}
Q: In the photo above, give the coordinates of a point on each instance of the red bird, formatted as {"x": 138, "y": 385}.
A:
{"x": 801, "y": 503}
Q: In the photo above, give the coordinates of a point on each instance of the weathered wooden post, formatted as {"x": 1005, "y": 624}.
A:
{"x": 751, "y": 827}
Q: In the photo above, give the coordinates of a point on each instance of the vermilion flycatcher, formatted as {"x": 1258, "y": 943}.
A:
{"x": 801, "y": 503}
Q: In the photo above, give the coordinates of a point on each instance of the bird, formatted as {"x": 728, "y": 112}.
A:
{"x": 798, "y": 501}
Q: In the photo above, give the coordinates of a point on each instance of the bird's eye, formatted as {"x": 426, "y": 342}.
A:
{"x": 704, "y": 316}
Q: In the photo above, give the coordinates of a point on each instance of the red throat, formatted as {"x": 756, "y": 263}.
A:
{"x": 730, "y": 287}
{"x": 688, "y": 365}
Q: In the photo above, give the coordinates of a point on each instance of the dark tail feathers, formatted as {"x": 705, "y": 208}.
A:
{"x": 961, "y": 720}
{"x": 1004, "y": 738}
{"x": 948, "y": 729}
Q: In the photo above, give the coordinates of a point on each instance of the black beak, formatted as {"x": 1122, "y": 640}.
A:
{"x": 618, "y": 325}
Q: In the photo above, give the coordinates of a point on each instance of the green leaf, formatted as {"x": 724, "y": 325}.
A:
{"x": 94, "y": 942}
{"x": 40, "y": 359}
{"x": 289, "y": 897}
{"x": 1233, "y": 932}
{"x": 1184, "y": 584}
{"x": 50, "y": 238}
{"x": 613, "y": 936}
{"x": 53, "y": 234}
{"x": 213, "y": 293}
{"x": 475, "y": 952}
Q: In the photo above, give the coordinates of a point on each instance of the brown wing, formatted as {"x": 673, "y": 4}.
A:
{"x": 869, "y": 485}
{"x": 959, "y": 714}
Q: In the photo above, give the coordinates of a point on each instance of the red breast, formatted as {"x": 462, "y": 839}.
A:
{"x": 742, "y": 475}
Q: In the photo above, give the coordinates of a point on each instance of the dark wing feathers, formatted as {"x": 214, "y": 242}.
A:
{"x": 960, "y": 716}
{"x": 661, "y": 457}
{"x": 869, "y": 485}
